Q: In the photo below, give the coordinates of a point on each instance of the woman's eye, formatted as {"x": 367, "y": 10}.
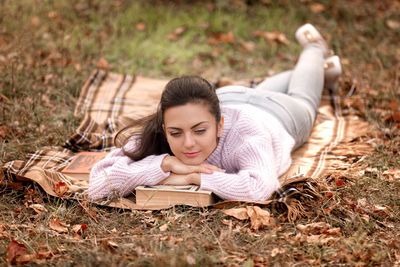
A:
{"x": 175, "y": 134}
{"x": 200, "y": 131}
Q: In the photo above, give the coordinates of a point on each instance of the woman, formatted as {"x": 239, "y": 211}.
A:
{"x": 235, "y": 141}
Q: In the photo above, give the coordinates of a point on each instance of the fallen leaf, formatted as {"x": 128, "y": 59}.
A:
{"x": 169, "y": 60}
{"x": 394, "y": 105}
{"x": 52, "y": 15}
{"x": 177, "y": 33}
{"x": 24, "y": 259}
{"x": 190, "y": 260}
{"x": 15, "y": 249}
{"x": 391, "y": 175}
{"x": 315, "y": 228}
{"x": 3, "y": 132}
{"x": 393, "y": 24}
{"x": 61, "y": 188}
{"x": 259, "y": 217}
{"x": 395, "y": 117}
{"x": 38, "y": 208}
{"x": 58, "y": 226}
{"x": 35, "y": 21}
{"x": 277, "y": 251}
{"x": 221, "y": 38}
{"x": 163, "y": 227}
{"x": 141, "y": 26}
{"x": 238, "y": 213}
{"x": 317, "y": 7}
{"x": 246, "y": 46}
{"x": 76, "y": 228}
{"x": 274, "y": 36}
{"x": 102, "y": 63}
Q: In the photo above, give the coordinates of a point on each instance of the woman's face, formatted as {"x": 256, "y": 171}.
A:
{"x": 191, "y": 132}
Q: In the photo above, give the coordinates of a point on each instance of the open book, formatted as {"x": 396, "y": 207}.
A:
{"x": 190, "y": 195}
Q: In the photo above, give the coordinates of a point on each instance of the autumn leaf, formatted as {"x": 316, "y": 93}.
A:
{"x": 393, "y": 24}
{"x": 61, "y": 188}
{"x": 274, "y": 36}
{"x": 58, "y": 226}
{"x": 35, "y": 21}
{"x": 141, "y": 26}
{"x": 317, "y": 7}
{"x": 3, "y": 132}
{"x": 163, "y": 227}
{"x": 177, "y": 33}
{"x": 221, "y": 38}
{"x": 238, "y": 213}
{"x": 394, "y": 105}
{"x": 38, "y": 208}
{"x": 259, "y": 217}
{"x": 15, "y": 249}
{"x": 395, "y": 117}
{"x": 102, "y": 63}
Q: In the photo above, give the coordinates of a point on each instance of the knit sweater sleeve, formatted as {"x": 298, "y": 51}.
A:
{"x": 119, "y": 173}
{"x": 256, "y": 178}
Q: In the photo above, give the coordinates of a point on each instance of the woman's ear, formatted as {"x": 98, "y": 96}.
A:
{"x": 220, "y": 127}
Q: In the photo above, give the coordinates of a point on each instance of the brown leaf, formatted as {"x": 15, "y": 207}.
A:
{"x": 3, "y": 132}
{"x": 277, "y": 251}
{"x": 35, "y": 21}
{"x": 259, "y": 217}
{"x": 246, "y": 46}
{"x": 60, "y": 188}
{"x": 393, "y": 24}
{"x": 238, "y": 213}
{"x": 317, "y": 7}
{"x": 177, "y": 33}
{"x": 391, "y": 175}
{"x": 58, "y": 226}
{"x": 221, "y": 38}
{"x": 315, "y": 228}
{"x": 395, "y": 117}
{"x": 24, "y": 259}
{"x": 38, "y": 208}
{"x": 394, "y": 105}
{"x": 14, "y": 249}
{"x": 141, "y": 26}
{"x": 274, "y": 36}
{"x": 169, "y": 60}
{"x": 163, "y": 227}
{"x": 102, "y": 63}
{"x": 76, "y": 228}
{"x": 52, "y": 15}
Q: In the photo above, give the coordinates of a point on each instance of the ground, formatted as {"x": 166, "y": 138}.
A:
{"x": 49, "y": 48}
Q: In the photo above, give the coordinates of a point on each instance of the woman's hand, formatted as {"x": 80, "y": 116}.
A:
{"x": 174, "y": 165}
{"x": 182, "y": 179}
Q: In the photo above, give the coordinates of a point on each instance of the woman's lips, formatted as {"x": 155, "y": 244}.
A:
{"x": 191, "y": 155}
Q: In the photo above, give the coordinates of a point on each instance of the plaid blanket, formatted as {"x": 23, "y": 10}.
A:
{"x": 109, "y": 101}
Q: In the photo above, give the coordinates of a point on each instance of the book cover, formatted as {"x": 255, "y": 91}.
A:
{"x": 171, "y": 195}
{"x": 82, "y": 163}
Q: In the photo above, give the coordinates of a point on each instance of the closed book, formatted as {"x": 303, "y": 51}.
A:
{"x": 170, "y": 195}
{"x": 82, "y": 163}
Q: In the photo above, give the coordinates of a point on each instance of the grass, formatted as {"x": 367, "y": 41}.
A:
{"x": 49, "y": 48}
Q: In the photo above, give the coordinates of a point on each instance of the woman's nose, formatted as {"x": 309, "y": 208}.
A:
{"x": 189, "y": 141}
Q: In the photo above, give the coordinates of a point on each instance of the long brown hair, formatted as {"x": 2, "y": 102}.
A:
{"x": 151, "y": 139}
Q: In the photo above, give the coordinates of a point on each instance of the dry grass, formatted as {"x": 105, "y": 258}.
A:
{"x": 48, "y": 49}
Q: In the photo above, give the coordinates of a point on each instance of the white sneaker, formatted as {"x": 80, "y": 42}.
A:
{"x": 333, "y": 70}
{"x": 309, "y": 34}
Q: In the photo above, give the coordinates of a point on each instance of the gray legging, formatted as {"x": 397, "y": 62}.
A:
{"x": 292, "y": 96}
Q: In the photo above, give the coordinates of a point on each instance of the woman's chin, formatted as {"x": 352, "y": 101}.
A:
{"x": 191, "y": 161}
